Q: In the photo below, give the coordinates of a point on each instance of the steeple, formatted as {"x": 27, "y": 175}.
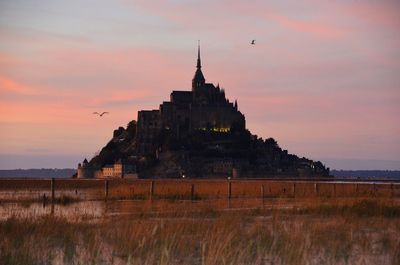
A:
{"x": 198, "y": 79}
{"x": 198, "y": 56}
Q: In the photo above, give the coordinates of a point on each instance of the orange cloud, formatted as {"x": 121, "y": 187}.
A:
{"x": 8, "y": 85}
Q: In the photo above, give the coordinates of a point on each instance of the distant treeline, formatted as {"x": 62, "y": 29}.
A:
{"x": 38, "y": 173}
{"x": 366, "y": 173}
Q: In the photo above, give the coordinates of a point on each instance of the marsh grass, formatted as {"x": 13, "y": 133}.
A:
{"x": 65, "y": 200}
{"x": 314, "y": 232}
{"x": 354, "y": 207}
{"x": 27, "y": 202}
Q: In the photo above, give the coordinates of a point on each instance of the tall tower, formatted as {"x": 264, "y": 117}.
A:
{"x": 198, "y": 79}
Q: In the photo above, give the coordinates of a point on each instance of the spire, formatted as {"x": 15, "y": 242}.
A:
{"x": 198, "y": 79}
{"x": 198, "y": 55}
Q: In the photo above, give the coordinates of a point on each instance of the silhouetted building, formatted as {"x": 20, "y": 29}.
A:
{"x": 205, "y": 107}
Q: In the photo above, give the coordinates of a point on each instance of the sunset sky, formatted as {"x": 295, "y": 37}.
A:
{"x": 323, "y": 78}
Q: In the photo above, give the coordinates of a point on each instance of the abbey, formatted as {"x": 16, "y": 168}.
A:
{"x": 205, "y": 107}
{"x": 198, "y": 133}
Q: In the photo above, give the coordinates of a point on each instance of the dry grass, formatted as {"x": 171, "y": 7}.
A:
{"x": 313, "y": 232}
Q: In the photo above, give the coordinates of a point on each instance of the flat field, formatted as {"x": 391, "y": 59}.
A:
{"x": 199, "y": 222}
{"x": 238, "y": 231}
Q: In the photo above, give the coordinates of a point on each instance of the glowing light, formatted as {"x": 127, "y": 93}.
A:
{"x": 216, "y": 129}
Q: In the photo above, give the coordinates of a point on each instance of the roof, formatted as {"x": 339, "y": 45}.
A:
{"x": 181, "y": 92}
{"x": 181, "y": 96}
{"x": 198, "y": 76}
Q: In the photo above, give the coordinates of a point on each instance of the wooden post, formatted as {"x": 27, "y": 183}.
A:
{"x": 192, "y": 192}
{"x": 316, "y": 188}
{"x": 151, "y": 189}
{"x": 229, "y": 190}
{"x": 53, "y": 180}
{"x": 262, "y": 195}
{"x": 262, "y": 192}
{"x": 294, "y": 190}
{"x": 44, "y": 199}
{"x": 106, "y": 189}
{"x": 334, "y": 189}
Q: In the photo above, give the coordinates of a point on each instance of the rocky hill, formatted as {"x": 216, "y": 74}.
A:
{"x": 206, "y": 153}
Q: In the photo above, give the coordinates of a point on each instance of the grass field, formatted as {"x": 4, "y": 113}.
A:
{"x": 315, "y": 231}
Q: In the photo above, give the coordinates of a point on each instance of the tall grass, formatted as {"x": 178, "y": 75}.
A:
{"x": 316, "y": 232}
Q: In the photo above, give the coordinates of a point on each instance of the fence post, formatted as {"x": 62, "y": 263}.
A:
{"x": 334, "y": 189}
{"x": 151, "y": 189}
{"x": 192, "y": 192}
{"x": 53, "y": 180}
{"x": 262, "y": 195}
{"x": 294, "y": 190}
{"x": 262, "y": 192}
{"x": 316, "y": 188}
{"x": 392, "y": 191}
{"x": 229, "y": 190}
{"x": 106, "y": 189}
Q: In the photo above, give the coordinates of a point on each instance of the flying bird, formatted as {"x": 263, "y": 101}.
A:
{"x": 253, "y": 42}
{"x": 100, "y": 114}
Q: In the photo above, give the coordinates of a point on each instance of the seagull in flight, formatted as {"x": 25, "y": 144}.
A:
{"x": 253, "y": 42}
{"x": 100, "y": 114}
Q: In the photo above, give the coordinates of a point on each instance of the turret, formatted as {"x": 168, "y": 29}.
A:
{"x": 84, "y": 170}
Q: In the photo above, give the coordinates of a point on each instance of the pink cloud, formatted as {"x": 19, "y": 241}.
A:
{"x": 317, "y": 28}
{"x": 384, "y": 13}
{"x": 121, "y": 81}
{"x": 289, "y": 86}
{"x": 8, "y": 85}
{"x": 189, "y": 16}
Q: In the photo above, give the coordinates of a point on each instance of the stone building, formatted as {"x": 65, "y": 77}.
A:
{"x": 205, "y": 107}
{"x": 85, "y": 170}
{"x": 148, "y": 128}
{"x": 116, "y": 170}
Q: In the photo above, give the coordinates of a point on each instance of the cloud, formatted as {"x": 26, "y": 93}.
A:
{"x": 69, "y": 84}
{"x": 375, "y": 13}
{"x": 320, "y": 76}
{"x": 316, "y": 28}
{"x": 8, "y": 85}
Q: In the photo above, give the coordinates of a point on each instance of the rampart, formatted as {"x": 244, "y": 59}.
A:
{"x": 95, "y": 189}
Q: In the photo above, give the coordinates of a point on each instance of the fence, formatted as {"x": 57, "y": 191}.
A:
{"x": 81, "y": 189}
